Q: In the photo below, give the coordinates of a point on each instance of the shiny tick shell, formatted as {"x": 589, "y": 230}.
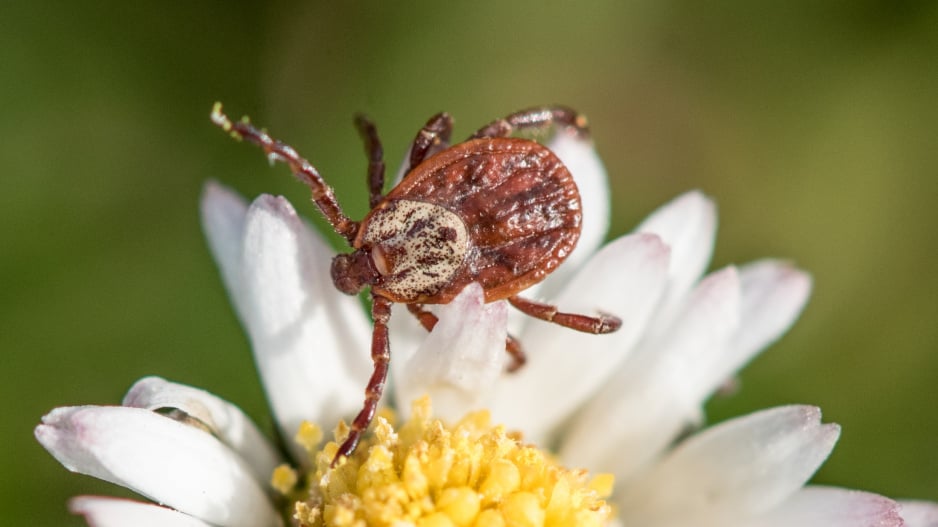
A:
{"x": 503, "y": 212}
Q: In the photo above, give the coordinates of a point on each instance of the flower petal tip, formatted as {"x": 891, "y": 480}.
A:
{"x": 277, "y": 206}
{"x": 572, "y": 148}
{"x": 782, "y": 273}
{"x": 58, "y": 417}
{"x": 471, "y": 296}
{"x": 919, "y": 513}
{"x": 62, "y": 434}
{"x": 836, "y": 507}
{"x": 213, "y": 189}
{"x": 873, "y": 510}
{"x": 653, "y": 242}
{"x": 830, "y": 433}
{"x": 693, "y": 203}
{"x": 142, "y": 389}
{"x": 460, "y": 360}
{"x": 810, "y": 419}
{"x": 721, "y": 285}
{"x": 810, "y": 415}
{"x": 220, "y": 199}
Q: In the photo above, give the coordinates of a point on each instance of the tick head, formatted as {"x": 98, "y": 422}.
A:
{"x": 351, "y": 273}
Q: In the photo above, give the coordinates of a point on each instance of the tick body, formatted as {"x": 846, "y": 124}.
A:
{"x": 502, "y": 212}
{"x": 497, "y": 210}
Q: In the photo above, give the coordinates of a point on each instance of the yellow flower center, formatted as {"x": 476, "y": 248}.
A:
{"x": 427, "y": 474}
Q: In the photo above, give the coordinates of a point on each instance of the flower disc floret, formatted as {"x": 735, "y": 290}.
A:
{"x": 427, "y": 473}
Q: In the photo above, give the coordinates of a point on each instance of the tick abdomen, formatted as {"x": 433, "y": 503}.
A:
{"x": 517, "y": 202}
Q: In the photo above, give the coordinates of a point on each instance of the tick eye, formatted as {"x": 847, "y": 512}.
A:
{"x": 380, "y": 261}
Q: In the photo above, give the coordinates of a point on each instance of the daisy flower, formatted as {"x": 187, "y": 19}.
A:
{"x": 621, "y": 407}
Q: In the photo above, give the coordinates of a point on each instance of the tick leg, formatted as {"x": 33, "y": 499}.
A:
{"x": 380, "y": 356}
{"x": 428, "y": 320}
{"x": 323, "y": 196}
{"x": 434, "y": 136}
{"x": 369, "y": 135}
{"x": 518, "y": 358}
{"x": 536, "y": 119}
{"x": 587, "y": 324}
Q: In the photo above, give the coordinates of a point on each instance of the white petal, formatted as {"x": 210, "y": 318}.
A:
{"x": 100, "y": 511}
{"x": 280, "y": 274}
{"x": 624, "y": 279}
{"x": 688, "y": 225}
{"x": 223, "y": 213}
{"x": 162, "y": 459}
{"x": 832, "y": 507}
{"x": 226, "y": 421}
{"x": 348, "y": 320}
{"x": 773, "y": 295}
{"x": 310, "y": 342}
{"x": 919, "y": 513}
{"x": 460, "y": 359}
{"x": 580, "y": 157}
{"x": 276, "y": 270}
{"x": 745, "y": 466}
{"x": 646, "y": 403}
{"x": 406, "y": 335}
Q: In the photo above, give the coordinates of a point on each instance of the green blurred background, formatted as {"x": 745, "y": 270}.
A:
{"x": 812, "y": 124}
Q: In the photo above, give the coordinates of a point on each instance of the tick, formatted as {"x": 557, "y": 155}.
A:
{"x": 498, "y": 210}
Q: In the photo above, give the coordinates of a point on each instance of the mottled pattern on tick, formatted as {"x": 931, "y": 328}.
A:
{"x": 518, "y": 202}
{"x": 421, "y": 246}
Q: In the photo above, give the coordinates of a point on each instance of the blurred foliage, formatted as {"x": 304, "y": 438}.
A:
{"x": 812, "y": 124}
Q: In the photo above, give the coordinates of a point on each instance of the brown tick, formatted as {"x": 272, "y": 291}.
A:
{"x": 497, "y": 210}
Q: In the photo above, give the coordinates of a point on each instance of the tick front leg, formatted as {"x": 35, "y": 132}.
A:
{"x": 587, "y": 324}
{"x": 380, "y": 356}
{"x": 536, "y": 119}
{"x": 374, "y": 151}
{"x": 433, "y": 137}
{"x": 323, "y": 196}
{"x": 428, "y": 320}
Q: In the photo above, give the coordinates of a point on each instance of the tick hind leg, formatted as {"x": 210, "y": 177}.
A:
{"x": 428, "y": 320}
{"x": 514, "y": 350}
{"x": 433, "y": 137}
{"x": 380, "y": 356}
{"x": 587, "y": 324}
{"x": 374, "y": 151}
{"x": 536, "y": 119}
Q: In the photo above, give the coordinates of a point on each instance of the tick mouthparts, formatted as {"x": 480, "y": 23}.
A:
{"x": 351, "y": 273}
